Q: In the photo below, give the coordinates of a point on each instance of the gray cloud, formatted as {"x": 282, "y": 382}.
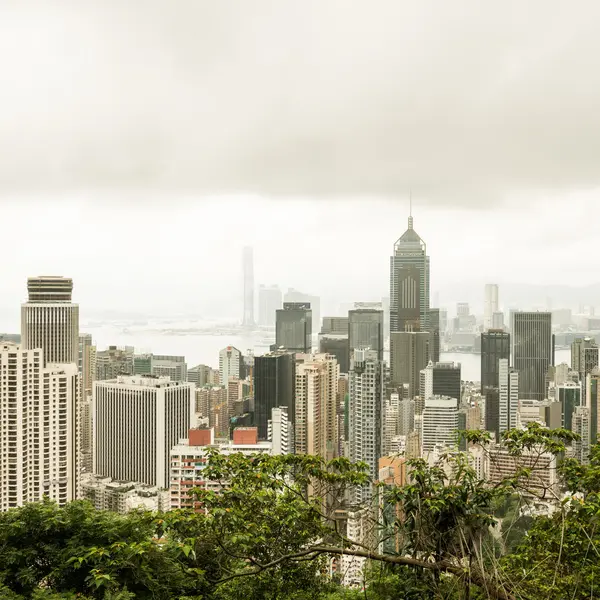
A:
{"x": 464, "y": 100}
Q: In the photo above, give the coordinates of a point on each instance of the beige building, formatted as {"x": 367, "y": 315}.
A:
{"x": 316, "y": 397}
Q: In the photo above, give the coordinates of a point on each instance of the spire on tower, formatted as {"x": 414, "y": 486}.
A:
{"x": 410, "y": 217}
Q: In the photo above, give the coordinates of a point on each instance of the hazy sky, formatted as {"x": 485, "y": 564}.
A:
{"x": 142, "y": 144}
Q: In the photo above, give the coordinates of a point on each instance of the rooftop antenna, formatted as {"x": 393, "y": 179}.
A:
{"x": 410, "y": 217}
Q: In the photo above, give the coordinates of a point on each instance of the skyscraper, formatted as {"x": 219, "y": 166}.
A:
{"x": 136, "y": 422}
{"x": 491, "y": 305}
{"x": 592, "y": 401}
{"x": 532, "y": 351}
{"x": 298, "y": 297}
{"x": 293, "y": 329}
{"x": 87, "y": 363}
{"x": 440, "y": 423}
{"x": 440, "y": 379}
{"x": 508, "y": 398}
{"x": 409, "y": 354}
{"x": 50, "y": 321}
{"x": 269, "y": 301}
{"x": 365, "y": 328}
{"x": 569, "y": 396}
{"x": 409, "y": 283}
{"x": 434, "y": 331}
{"x": 248, "y": 264}
{"x": 366, "y": 407}
{"x": 495, "y": 344}
{"x": 273, "y": 387}
{"x": 38, "y": 445}
{"x": 584, "y": 356}
{"x": 230, "y": 364}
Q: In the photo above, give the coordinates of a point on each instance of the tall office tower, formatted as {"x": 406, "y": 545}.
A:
{"x": 508, "y": 399}
{"x": 230, "y": 364}
{"x": 273, "y": 387}
{"x": 490, "y": 306}
{"x": 248, "y": 265}
{"x": 337, "y": 345}
{"x": 87, "y": 363}
{"x": 569, "y": 396}
{"x": 440, "y": 379}
{"x": 335, "y": 325}
{"x": 409, "y": 354}
{"x": 366, "y": 406}
{"x": 365, "y": 328}
{"x": 440, "y": 423}
{"x": 295, "y": 297}
{"x": 385, "y": 302}
{"x": 409, "y": 283}
{"x": 50, "y": 321}
{"x": 495, "y": 344}
{"x": 38, "y": 434}
{"x": 136, "y": 422}
{"x": 584, "y": 356}
{"x": 532, "y": 349}
{"x": 434, "y": 332}
{"x": 293, "y": 328}
{"x": 498, "y": 321}
{"x": 113, "y": 362}
{"x": 315, "y": 390}
{"x": 582, "y": 427}
{"x": 269, "y": 301}
{"x": 592, "y": 401}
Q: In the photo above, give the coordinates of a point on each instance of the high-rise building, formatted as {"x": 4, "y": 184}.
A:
{"x": 584, "y": 356}
{"x": 508, "y": 399}
{"x": 50, "y": 321}
{"x": 532, "y": 351}
{"x": 87, "y": 363}
{"x": 248, "y": 266}
{"x": 38, "y": 443}
{"x": 273, "y": 387}
{"x": 582, "y": 427}
{"x": 293, "y": 329}
{"x": 296, "y": 297}
{"x": 338, "y": 325}
{"x": 230, "y": 364}
{"x": 495, "y": 344}
{"x": 113, "y": 362}
{"x": 440, "y": 379}
{"x": 409, "y": 354}
{"x": 269, "y": 301}
{"x": 366, "y": 419}
{"x": 315, "y": 391}
{"x": 203, "y": 375}
{"x": 136, "y": 422}
{"x": 365, "y": 328}
{"x": 164, "y": 365}
{"x": 440, "y": 423}
{"x": 337, "y": 345}
{"x": 491, "y": 305}
{"x": 569, "y": 396}
{"x": 592, "y": 401}
{"x": 498, "y": 320}
{"x": 211, "y": 403}
{"x": 280, "y": 432}
{"x": 434, "y": 331}
{"x": 409, "y": 283}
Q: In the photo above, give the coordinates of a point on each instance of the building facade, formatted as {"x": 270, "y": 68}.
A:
{"x": 440, "y": 423}
{"x": 365, "y": 329}
{"x": 490, "y": 306}
{"x": 409, "y": 355}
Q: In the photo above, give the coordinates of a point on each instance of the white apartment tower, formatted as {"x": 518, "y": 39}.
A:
{"x": 366, "y": 419}
{"x": 37, "y": 438}
{"x": 230, "y": 364}
{"x": 440, "y": 423}
{"x": 136, "y": 421}
{"x": 316, "y": 387}
{"x": 280, "y": 432}
{"x": 490, "y": 306}
{"x": 50, "y": 321}
{"x": 508, "y": 401}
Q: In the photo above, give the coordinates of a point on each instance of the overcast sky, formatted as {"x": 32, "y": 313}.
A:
{"x": 142, "y": 144}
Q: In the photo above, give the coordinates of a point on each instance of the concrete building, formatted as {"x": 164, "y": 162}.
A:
{"x": 293, "y": 328}
{"x": 230, "y": 364}
{"x": 584, "y": 357}
{"x": 592, "y": 401}
{"x": 337, "y": 325}
{"x": 409, "y": 355}
{"x": 248, "y": 268}
{"x": 581, "y": 426}
{"x": 409, "y": 283}
{"x": 86, "y": 364}
{"x": 136, "y": 422}
{"x": 123, "y": 496}
{"x": 273, "y": 387}
{"x": 211, "y": 402}
{"x": 365, "y": 328}
{"x": 38, "y": 437}
{"x": 50, "y": 321}
{"x": 113, "y": 362}
{"x": 337, "y": 345}
{"x": 508, "y": 400}
{"x": 366, "y": 418}
{"x": 490, "y": 306}
{"x": 188, "y": 461}
{"x": 164, "y": 365}
{"x": 532, "y": 350}
{"x": 316, "y": 400}
{"x": 440, "y": 423}
{"x": 270, "y": 300}
{"x": 435, "y": 333}
{"x": 280, "y": 432}
{"x": 202, "y": 375}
